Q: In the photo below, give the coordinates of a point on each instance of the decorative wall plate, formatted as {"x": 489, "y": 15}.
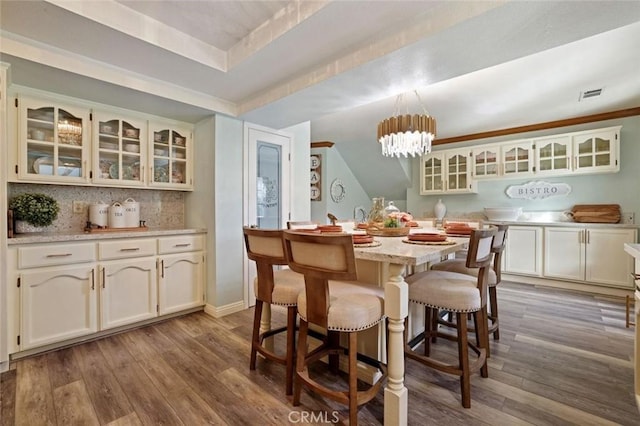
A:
{"x": 337, "y": 190}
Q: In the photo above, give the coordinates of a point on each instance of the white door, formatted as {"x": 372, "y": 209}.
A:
{"x": 267, "y": 165}
{"x": 564, "y": 253}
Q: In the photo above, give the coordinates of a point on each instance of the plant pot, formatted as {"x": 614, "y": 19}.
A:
{"x": 23, "y": 227}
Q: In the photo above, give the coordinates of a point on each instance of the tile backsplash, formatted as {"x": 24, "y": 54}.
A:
{"x": 160, "y": 209}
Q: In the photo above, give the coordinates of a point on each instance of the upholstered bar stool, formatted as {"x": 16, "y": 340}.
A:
{"x": 273, "y": 287}
{"x": 337, "y": 307}
{"x": 495, "y": 275}
{"x": 462, "y": 294}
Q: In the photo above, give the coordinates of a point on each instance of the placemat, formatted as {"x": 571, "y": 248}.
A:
{"x": 372, "y": 244}
{"x": 429, "y": 243}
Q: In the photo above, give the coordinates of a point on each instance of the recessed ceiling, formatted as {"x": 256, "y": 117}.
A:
{"x": 478, "y": 66}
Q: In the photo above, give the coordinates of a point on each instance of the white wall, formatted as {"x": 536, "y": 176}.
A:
{"x": 614, "y": 188}
{"x": 334, "y": 167}
{"x": 217, "y": 203}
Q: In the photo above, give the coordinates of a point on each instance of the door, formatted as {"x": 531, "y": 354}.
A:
{"x": 181, "y": 283}
{"x": 564, "y": 253}
{"x": 128, "y": 292}
{"x": 58, "y": 304}
{"x": 607, "y": 262}
{"x": 267, "y": 163}
{"x": 523, "y": 251}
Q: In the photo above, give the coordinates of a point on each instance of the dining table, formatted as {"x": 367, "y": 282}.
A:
{"x": 387, "y": 261}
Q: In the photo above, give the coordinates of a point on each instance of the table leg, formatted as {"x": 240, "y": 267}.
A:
{"x": 396, "y": 306}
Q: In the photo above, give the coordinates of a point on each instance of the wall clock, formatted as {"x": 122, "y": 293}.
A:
{"x": 337, "y": 190}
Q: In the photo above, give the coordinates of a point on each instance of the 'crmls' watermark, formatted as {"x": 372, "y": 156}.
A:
{"x": 314, "y": 417}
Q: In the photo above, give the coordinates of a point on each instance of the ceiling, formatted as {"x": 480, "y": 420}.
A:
{"x": 478, "y": 66}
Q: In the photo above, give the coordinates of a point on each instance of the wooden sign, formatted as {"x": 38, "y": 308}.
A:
{"x": 316, "y": 178}
{"x": 538, "y": 190}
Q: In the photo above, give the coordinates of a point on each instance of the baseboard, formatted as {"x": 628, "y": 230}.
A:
{"x": 221, "y": 311}
{"x": 568, "y": 285}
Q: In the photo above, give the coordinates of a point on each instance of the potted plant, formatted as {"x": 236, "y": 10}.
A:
{"x": 38, "y": 210}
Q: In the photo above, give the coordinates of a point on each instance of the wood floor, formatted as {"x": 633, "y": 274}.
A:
{"x": 563, "y": 359}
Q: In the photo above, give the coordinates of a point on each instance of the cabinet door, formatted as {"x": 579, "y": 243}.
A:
{"x": 181, "y": 282}
{"x": 128, "y": 292}
{"x": 120, "y": 147}
{"x": 171, "y": 154}
{"x": 523, "y": 251}
{"x": 458, "y": 172}
{"x": 517, "y": 159}
{"x": 58, "y": 304}
{"x": 564, "y": 254}
{"x": 53, "y": 142}
{"x": 596, "y": 151}
{"x": 553, "y": 155}
{"x": 432, "y": 173}
{"x": 607, "y": 262}
{"x": 485, "y": 162}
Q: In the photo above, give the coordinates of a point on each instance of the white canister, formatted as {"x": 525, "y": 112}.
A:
{"x": 99, "y": 213}
{"x": 116, "y": 216}
{"x": 131, "y": 213}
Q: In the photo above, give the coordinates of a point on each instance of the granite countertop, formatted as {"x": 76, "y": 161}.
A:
{"x": 88, "y": 236}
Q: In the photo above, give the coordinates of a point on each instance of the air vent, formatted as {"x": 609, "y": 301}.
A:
{"x": 588, "y": 94}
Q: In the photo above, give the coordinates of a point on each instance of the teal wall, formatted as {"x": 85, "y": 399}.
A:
{"x": 615, "y": 188}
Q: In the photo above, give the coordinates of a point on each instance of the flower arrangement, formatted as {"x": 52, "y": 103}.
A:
{"x": 36, "y": 209}
{"x": 397, "y": 220}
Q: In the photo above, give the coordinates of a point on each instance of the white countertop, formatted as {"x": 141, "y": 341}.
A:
{"x": 564, "y": 224}
{"x": 33, "y": 238}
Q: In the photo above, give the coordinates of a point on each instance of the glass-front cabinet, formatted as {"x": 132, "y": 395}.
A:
{"x": 54, "y": 142}
{"x": 517, "y": 159}
{"x": 170, "y": 151}
{"x": 485, "y": 162}
{"x": 447, "y": 172}
{"x": 120, "y": 150}
{"x": 596, "y": 151}
{"x": 553, "y": 155}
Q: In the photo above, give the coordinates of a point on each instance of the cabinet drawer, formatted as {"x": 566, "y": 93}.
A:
{"x": 180, "y": 244}
{"x": 59, "y": 254}
{"x": 126, "y": 248}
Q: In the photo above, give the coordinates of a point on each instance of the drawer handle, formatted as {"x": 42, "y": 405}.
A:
{"x": 130, "y": 249}
{"x": 183, "y": 245}
{"x": 59, "y": 255}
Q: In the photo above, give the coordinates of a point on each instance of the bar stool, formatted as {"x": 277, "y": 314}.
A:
{"x": 337, "y": 307}
{"x": 462, "y": 294}
{"x": 280, "y": 287}
{"x": 495, "y": 275}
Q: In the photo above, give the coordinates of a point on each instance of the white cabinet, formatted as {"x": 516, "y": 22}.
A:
{"x": 72, "y": 144}
{"x": 68, "y": 290}
{"x": 553, "y": 155}
{"x": 53, "y": 142}
{"x": 128, "y": 285}
{"x": 171, "y": 153}
{"x": 517, "y": 159}
{"x": 120, "y": 150}
{"x": 596, "y": 151}
{"x": 595, "y": 255}
{"x": 181, "y": 282}
{"x": 485, "y": 161}
{"x": 447, "y": 172}
{"x": 523, "y": 250}
{"x": 57, "y": 304}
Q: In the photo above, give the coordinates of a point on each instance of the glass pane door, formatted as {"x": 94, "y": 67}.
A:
{"x": 268, "y": 185}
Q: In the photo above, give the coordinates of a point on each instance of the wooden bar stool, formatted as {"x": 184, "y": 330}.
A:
{"x": 337, "y": 307}
{"x": 279, "y": 287}
{"x": 462, "y": 294}
{"x": 495, "y": 275}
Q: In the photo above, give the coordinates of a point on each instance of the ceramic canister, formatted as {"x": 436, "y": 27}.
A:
{"x": 99, "y": 213}
{"x": 116, "y": 216}
{"x": 131, "y": 213}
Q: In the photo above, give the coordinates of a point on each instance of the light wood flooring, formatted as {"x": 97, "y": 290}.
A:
{"x": 563, "y": 359}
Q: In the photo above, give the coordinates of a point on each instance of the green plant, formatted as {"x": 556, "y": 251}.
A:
{"x": 35, "y": 209}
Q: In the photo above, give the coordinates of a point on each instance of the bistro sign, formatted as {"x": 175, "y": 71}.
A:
{"x": 538, "y": 190}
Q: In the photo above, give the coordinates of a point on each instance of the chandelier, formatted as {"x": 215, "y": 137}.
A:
{"x": 407, "y": 134}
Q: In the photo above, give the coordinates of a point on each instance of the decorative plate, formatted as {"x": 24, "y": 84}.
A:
{"x": 160, "y": 174}
{"x": 429, "y": 243}
{"x": 371, "y": 244}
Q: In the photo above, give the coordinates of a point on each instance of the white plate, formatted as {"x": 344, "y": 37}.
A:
{"x": 42, "y": 165}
